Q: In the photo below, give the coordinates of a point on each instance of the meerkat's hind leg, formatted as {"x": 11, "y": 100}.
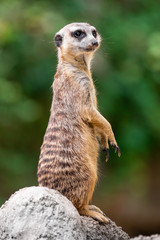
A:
{"x": 96, "y": 209}
{"x": 93, "y": 212}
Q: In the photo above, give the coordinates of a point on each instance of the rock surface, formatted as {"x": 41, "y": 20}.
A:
{"x": 39, "y": 213}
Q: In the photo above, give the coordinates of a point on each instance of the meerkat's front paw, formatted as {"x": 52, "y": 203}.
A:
{"x": 107, "y": 139}
{"x": 113, "y": 145}
{"x": 116, "y": 147}
{"x": 106, "y": 151}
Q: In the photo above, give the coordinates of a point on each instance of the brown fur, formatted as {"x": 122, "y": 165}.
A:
{"x": 68, "y": 159}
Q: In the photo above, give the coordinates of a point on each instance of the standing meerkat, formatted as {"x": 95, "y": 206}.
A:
{"x": 68, "y": 158}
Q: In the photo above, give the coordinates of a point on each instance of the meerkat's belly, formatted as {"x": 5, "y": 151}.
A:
{"x": 68, "y": 162}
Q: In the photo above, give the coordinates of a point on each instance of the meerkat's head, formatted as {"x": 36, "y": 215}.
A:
{"x": 77, "y": 39}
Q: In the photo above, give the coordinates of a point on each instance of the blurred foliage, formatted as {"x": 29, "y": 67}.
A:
{"x": 126, "y": 70}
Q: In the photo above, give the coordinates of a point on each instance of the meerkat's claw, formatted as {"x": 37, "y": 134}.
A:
{"x": 101, "y": 218}
{"x": 119, "y": 152}
{"x": 117, "y": 149}
{"x": 106, "y": 150}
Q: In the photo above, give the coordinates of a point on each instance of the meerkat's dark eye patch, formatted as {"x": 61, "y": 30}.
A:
{"x": 78, "y": 34}
{"x": 94, "y": 33}
{"x": 58, "y": 40}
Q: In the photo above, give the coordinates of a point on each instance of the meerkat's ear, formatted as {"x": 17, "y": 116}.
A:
{"x": 58, "y": 39}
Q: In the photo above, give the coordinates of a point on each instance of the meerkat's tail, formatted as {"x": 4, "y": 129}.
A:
{"x": 93, "y": 212}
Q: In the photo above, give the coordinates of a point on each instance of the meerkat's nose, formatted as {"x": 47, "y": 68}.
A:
{"x": 94, "y": 43}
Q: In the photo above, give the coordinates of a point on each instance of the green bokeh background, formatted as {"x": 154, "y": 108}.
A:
{"x": 126, "y": 71}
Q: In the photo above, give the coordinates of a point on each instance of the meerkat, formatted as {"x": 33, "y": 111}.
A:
{"x": 69, "y": 153}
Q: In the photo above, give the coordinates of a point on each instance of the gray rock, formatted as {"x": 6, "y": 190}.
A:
{"x": 100, "y": 231}
{"x": 38, "y": 213}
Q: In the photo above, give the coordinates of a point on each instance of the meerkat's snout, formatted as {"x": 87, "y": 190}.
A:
{"x": 92, "y": 46}
{"x": 94, "y": 43}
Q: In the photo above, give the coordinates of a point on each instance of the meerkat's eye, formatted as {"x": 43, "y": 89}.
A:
{"x": 94, "y": 33}
{"x": 78, "y": 34}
